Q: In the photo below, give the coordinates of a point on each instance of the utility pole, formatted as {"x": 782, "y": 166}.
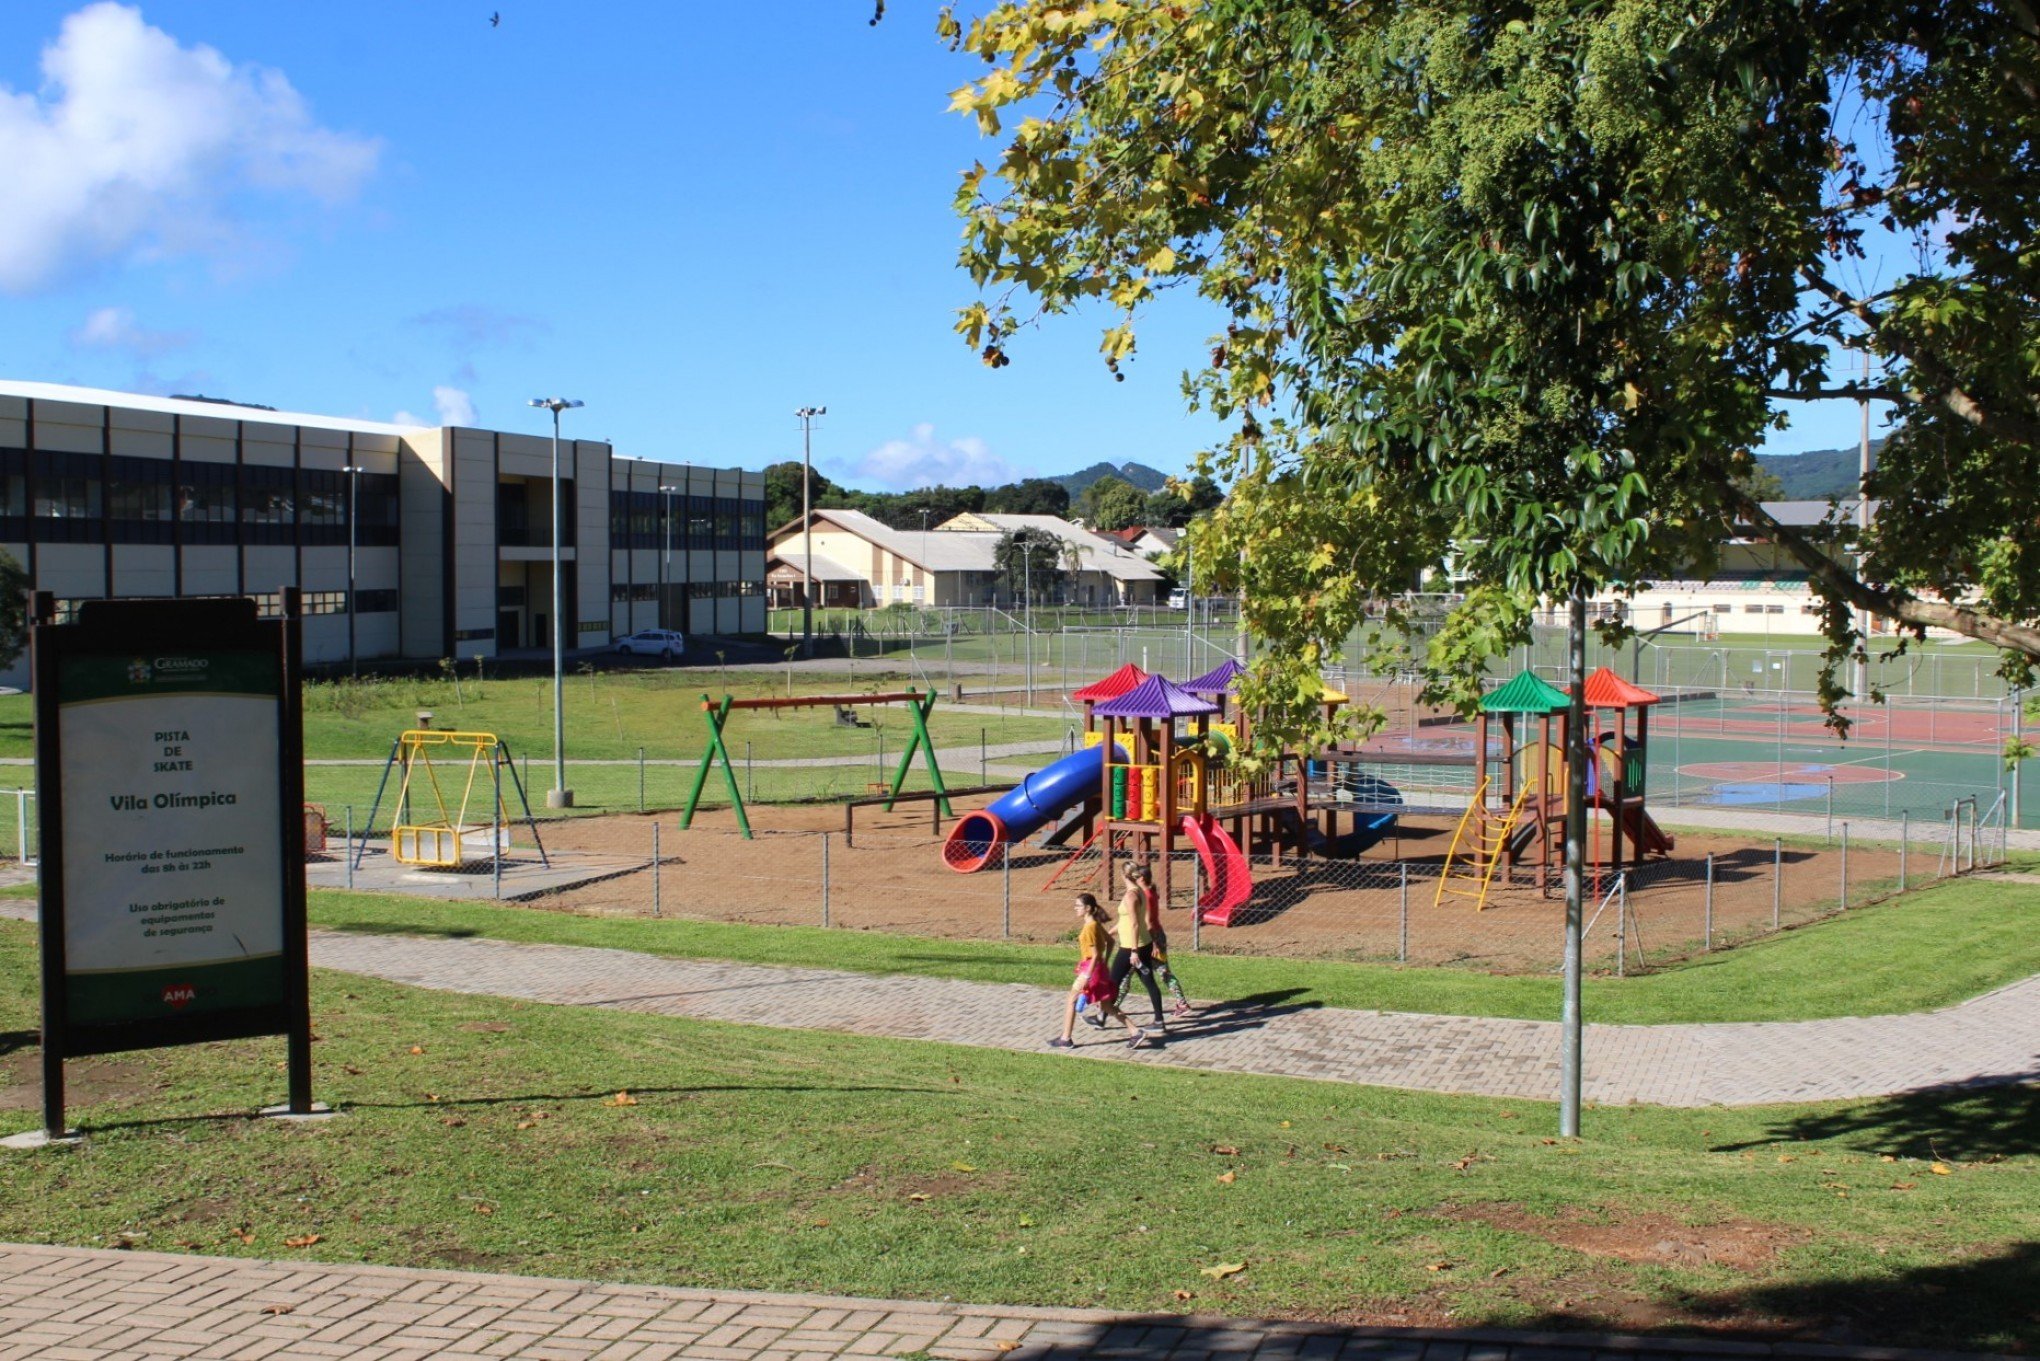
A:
{"x": 353, "y": 654}
{"x": 666, "y": 563}
{"x": 807, "y": 416}
{"x": 559, "y": 796}
{"x": 1570, "y": 1030}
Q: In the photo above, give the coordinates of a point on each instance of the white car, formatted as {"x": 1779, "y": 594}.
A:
{"x": 664, "y": 643}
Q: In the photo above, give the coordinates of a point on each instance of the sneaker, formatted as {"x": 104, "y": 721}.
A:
{"x": 1181, "y": 1009}
{"x": 1093, "y": 1020}
{"x": 1060, "y": 1043}
{"x": 1140, "y": 1040}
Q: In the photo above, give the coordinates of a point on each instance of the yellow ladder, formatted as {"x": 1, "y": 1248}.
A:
{"x": 1478, "y": 849}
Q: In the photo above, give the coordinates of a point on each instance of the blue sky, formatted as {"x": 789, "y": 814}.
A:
{"x": 695, "y": 217}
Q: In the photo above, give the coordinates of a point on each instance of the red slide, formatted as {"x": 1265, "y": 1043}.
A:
{"x": 1225, "y": 870}
{"x": 1646, "y": 834}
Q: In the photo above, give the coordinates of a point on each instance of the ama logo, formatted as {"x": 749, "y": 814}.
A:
{"x": 177, "y": 995}
{"x": 139, "y": 672}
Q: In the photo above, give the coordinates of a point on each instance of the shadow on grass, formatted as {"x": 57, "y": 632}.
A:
{"x": 400, "y": 929}
{"x": 1971, "y": 1122}
{"x": 12, "y": 1041}
{"x": 603, "y": 1093}
{"x": 1977, "y": 1305}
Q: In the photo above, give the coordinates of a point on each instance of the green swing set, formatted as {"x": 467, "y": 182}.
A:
{"x": 718, "y": 712}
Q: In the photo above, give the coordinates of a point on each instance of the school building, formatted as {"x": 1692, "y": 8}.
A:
{"x": 120, "y": 494}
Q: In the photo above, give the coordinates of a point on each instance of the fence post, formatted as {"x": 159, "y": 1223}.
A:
{"x": 825, "y": 878}
{"x": 1622, "y": 925}
{"x": 656, "y": 863}
{"x": 1904, "y": 843}
{"x": 1707, "y": 912}
{"x": 1006, "y": 892}
{"x": 1845, "y": 867}
{"x": 1402, "y": 945}
{"x": 1777, "y": 878}
{"x": 21, "y": 823}
{"x": 1831, "y": 810}
{"x": 349, "y": 815}
{"x": 641, "y": 784}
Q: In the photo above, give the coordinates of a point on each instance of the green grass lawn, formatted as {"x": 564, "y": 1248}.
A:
{"x": 1930, "y": 949}
{"x": 757, "y": 1158}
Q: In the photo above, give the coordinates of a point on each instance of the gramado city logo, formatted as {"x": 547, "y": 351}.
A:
{"x": 142, "y": 670}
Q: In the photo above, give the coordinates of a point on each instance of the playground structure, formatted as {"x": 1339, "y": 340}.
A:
{"x": 1516, "y": 812}
{"x": 1141, "y": 781}
{"x": 717, "y": 712}
{"x": 446, "y": 837}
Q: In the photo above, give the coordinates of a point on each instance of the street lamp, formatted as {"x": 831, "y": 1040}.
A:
{"x": 353, "y": 477}
{"x": 927, "y": 587}
{"x": 666, "y": 564}
{"x": 559, "y": 796}
{"x": 806, "y": 416}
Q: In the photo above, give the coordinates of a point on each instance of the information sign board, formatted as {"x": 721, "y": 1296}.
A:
{"x": 169, "y": 741}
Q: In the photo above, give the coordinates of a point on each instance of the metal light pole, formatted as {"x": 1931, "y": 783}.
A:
{"x": 1570, "y": 1030}
{"x": 559, "y": 796}
{"x": 807, "y": 416}
{"x": 666, "y": 563}
{"x": 353, "y": 660}
{"x": 927, "y": 587}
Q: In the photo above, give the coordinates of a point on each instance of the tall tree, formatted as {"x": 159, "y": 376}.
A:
{"x": 1030, "y": 560}
{"x": 1513, "y": 283}
{"x": 1030, "y": 496}
{"x": 1181, "y": 501}
{"x": 1111, "y": 503}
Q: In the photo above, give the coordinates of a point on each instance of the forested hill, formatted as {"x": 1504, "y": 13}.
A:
{"x": 1819, "y": 473}
{"x": 1140, "y": 475}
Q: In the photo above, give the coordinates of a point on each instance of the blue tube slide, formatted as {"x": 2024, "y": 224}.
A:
{"x": 1046, "y": 794}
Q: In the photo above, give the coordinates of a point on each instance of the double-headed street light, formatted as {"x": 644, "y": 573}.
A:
{"x": 666, "y": 563}
{"x": 806, "y": 415}
{"x": 559, "y": 796}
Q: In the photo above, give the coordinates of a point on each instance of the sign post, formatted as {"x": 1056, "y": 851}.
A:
{"x": 170, "y": 749}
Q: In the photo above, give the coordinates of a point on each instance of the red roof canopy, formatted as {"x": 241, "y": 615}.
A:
{"x": 1606, "y": 690}
{"x": 1113, "y": 686}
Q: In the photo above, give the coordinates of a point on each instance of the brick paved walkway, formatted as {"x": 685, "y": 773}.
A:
{"x": 60, "y": 1303}
{"x": 1991, "y": 1038}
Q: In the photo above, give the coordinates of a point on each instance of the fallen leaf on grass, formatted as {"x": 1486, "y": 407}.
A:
{"x": 1227, "y": 1178}
{"x": 303, "y": 1240}
{"x": 417, "y": 1048}
{"x": 1336, "y": 1148}
{"x": 821, "y": 1223}
{"x": 452, "y": 1121}
{"x": 1437, "y": 1266}
{"x": 1025, "y": 1222}
{"x": 1886, "y": 1158}
{"x": 1942, "y": 1170}
{"x": 963, "y": 1167}
{"x": 1222, "y": 1270}
{"x": 1225, "y": 1150}
{"x": 1498, "y": 1273}
{"x": 527, "y": 1124}
{"x": 278, "y": 1308}
{"x": 350, "y": 1070}
{"x": 1285, "y": 1124}
{"x": 245, "y": 1234}
{"x": 621, "y": 1099}
{"x": 1903, "y": 1185}
{"x": 917, "y": 1196}
{"x": 485, "y": 1209}
{"x": 1185, "y": 1295}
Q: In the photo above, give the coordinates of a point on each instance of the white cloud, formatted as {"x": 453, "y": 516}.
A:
{"x": 454, "y": 406}
{"x": 450, "y": 406}
{"x": 137, "y": 145}
{"x": 921, "y": 460}
{"x": 114, "y": 328}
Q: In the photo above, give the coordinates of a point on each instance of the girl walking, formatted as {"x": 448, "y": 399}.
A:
{"x": 1095, "y": 981}
{"x": 1137, "y": 953}
{"x": 1158, "y": 938}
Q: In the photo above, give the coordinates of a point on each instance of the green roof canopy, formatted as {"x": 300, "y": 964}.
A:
{"x": 1529, "y": 693}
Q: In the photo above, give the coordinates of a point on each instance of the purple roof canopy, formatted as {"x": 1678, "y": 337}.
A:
{"x": 1219, "y": 680}
{"x": 1155, "y": 698}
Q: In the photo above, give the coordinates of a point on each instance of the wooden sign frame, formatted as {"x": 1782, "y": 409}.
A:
{"x": 134, "y": 675}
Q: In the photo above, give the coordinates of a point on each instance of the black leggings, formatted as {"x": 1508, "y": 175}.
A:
{"x": 1142, "y": 961}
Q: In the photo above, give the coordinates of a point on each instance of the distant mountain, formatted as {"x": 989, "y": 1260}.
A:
{"x": 1819, "y": 473}
{"x": 1139, "y": 474}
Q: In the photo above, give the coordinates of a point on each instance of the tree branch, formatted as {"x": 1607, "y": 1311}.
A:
{"x": 1902, "y": 607}
{"x": 1852, "y": 393}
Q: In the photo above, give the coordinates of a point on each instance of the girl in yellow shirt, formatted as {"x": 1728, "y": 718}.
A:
{"x": 1094, "y": 979}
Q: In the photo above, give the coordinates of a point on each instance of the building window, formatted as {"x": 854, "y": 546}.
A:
{"x": 205, "y": 502}
{"x": 269, "y": 505}
{"x": 375, "y": 602}
{"x": 140, "y": 496}
{"x": 67, "y": 492}
{"x": 700, "y": 523}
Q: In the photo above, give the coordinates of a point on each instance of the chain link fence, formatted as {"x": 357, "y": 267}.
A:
{"x": 1717, "y": 891}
